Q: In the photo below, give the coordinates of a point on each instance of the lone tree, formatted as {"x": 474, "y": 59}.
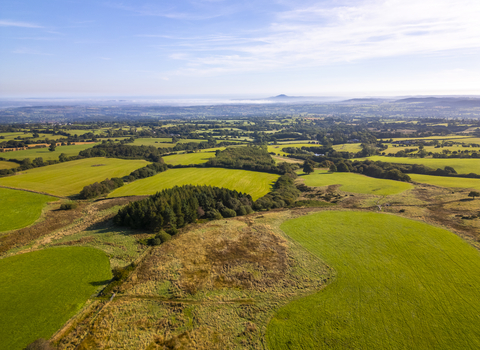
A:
{"x": 474, "y": 194}
{"x": 52, "y": 147}
{"x": 308, "y": 167}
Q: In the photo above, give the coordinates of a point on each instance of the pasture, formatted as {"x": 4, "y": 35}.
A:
{"x": 33, "y": 153}
{"x": 256, "y": 184}
{"x": 68, "y": 178}
{"x": 400, "y": 284}
{"x": 277, "y": 149}
{"x": 462, "y": 166}
{"x": 191, "y": 158}
{"x": 445, "y": 181}
{"x": 161, "y": 142}
{"x": 41, "y": 290}
{"x": 348, "y": 147}
{"x": 356, "y": 183}
{"x": 20, "y": 208}
{"x": 5, "y": 164}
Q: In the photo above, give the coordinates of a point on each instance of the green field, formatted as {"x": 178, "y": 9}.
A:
{"x": 447, "y": 137}
{"x": 68, "y": 178}
{"x": 33, "y": 153}
{"x": 20, "y": 208}
{"x": 462, "y": 166}
{"x": 12, "y": 135}
{"x": 41, "y": 290}
{"x": 254, "y": 183}
{"x": 161, "y": 142}
{"x": 348, "y": 147}
{"x": 277, "y": 149}
{"x": 445, "y": 181}
{"x": 400, "y": 284}
{"x": 356, "y": 183}
{"x": 432, "y": 149}
{"x": 5, "y": 164}
{"x": 189, "y": 158}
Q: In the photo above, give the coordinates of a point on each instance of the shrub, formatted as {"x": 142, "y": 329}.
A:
{"x": 68, "y": 206}
{"x": 163, "y": 236}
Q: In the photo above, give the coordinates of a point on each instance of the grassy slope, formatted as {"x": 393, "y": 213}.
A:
{"x": 4, "y": 164}
{"x": 192, "y": 158}
{"x": 69, "y": 178}
{"x": 401, "y": 284}
{"x": 20, "y": 208}
{"x": 43, "y": 289}
{"x": 189, "y": 158}
{"x": 33, "y": 153}
{"x": 255, "y": 183}
{"x": 444, "y": 181}
{"x": 462, "y": 166}
{"x": 356, "y": 183}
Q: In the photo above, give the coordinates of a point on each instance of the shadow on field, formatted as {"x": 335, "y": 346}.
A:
{"x": 100, "y": 283}
{"x": 108, "y": 226}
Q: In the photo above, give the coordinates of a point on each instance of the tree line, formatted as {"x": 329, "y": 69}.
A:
{"x": 174, "y": 208}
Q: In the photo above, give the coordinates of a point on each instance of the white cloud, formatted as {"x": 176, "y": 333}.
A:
{"x": 319, "y": 35}
{"x": 9, "y": 23}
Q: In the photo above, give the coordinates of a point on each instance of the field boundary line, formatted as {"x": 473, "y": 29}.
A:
{"x": 32, "y": 191}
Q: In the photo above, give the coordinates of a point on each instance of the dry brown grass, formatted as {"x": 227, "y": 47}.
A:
{"x": 212, "y": 287}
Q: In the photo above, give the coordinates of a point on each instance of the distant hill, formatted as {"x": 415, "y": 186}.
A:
{"x": 365, "y": 100}
{"x": 283, "y": 97}
{"x": 443, "y": 101}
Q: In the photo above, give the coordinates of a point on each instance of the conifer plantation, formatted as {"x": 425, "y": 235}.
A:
{"x": 178, "y": 206}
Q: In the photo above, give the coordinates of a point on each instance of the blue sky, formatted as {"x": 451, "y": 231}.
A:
{"x": 212, "y": 47}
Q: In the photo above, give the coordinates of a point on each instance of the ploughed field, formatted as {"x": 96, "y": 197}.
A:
{"x": 69, "y": 178}
{"x": 356, "y": 183}
{"x": 256, "y": 184}
{"x": 41, "y": 290}
{"x": 20, "y": 208}
{"x": 400, "y": 284}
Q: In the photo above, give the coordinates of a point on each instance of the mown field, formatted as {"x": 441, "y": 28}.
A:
{"x": 254, "y": 183}
{"x": 462, "y": 166}
{"x": 445, "y": 181}
{"x": 33, "y": 153}
{"x": 5, "y": 164}
{"x": 400, "y": 284}
{"x": 19, "y": 208}
{"x": 68, "y": 178}
{"x": 356, "y": 183}
{"x": 41, "y": 290}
